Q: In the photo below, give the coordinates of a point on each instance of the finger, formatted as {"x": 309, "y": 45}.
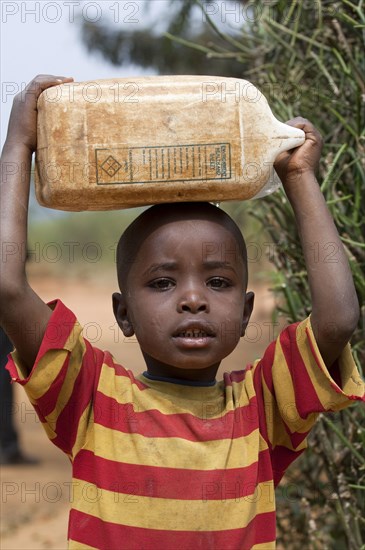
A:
{"x": 303, "y": 124}
{"x": 311, "y": 132}
{"x": 42, "y": 82}
{"x": 39, "y": 84}
{"x": 298, "y": 120}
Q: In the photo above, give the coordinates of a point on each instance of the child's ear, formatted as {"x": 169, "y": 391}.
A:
{"x": 121, "y": 314}
{"x": 247, "y": 310}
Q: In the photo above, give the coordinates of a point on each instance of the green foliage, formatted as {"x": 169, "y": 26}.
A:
{"x": 78, "y": 242}
{"x": 149, "y": 48}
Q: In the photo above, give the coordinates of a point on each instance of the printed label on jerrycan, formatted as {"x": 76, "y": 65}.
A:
{"x": 188, "y": 162}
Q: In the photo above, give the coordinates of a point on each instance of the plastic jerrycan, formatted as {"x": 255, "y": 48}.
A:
{"x": 111, "y": 144}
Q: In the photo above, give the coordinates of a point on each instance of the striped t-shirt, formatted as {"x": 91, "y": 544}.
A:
{"x": 165, "y": 466}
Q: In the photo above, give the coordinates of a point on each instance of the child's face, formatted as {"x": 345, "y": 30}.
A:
{"x": 186, "y": 298}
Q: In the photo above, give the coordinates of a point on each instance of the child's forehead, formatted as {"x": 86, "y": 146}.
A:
{"x": 206, "y": 239}
{"x": 180, "y": 229}
{"x": 184, "y": 226}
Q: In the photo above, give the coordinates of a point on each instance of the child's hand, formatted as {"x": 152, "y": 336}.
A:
{"x": 23, "y": 118}
{"x": 292, "y": 165}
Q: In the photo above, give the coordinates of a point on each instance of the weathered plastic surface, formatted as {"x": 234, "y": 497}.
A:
{"x": 113, "y": 144}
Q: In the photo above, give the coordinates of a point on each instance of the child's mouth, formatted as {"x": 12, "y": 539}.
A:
{"x": 193, "y": 334}
{"x": 193, "y": 337}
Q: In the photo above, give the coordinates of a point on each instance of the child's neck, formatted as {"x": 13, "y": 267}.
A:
{"x": 181, "y": 381}
{"x": 163, "y": 370}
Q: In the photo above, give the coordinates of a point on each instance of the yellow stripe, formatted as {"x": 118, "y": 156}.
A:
{"x": 264, "y": 546}
{"x": 43, "y": 376}
{"x": 285, "y": 396}
{"x": 276, "y": 431}
{"x": 320, "y": 376}
{"x": 173, "y": 452}
{"x": 73, "y": 370}
{"x": 203, "y": 404}
{"x": 51, "y": 434}
{"x": 172, "y": 514}
{"x": 75, "y": 337}
{"x": 245, "y": 390}
{"x": 86, "y": 420}
{"x": 123, "y": 391}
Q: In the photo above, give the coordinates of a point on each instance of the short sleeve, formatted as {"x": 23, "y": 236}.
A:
{"x": 61, "y": 383}
{"x": 293, "y": 385}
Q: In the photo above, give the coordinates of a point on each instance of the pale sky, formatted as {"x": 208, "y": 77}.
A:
{"x": 44, "y": 37}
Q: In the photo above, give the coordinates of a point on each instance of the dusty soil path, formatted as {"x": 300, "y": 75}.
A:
{"x": 35, "y": 499}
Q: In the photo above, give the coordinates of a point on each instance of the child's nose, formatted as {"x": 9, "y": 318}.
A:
{"x": 193, "y": 301}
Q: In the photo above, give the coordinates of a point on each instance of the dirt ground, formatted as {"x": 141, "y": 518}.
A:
{"x": 35, "y": 499}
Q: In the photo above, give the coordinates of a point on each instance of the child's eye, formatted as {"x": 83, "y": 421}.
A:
{"x": 219, "y": 282}
{"x": 161, "y": 284}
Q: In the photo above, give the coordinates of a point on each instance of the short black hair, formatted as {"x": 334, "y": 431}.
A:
{"x": 161, "y": 214}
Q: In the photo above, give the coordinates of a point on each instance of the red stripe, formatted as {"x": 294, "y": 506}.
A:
{"x": 335, "y": 372}
{"x": 306, "y": 398}
{"x": 46, "y": 403}
{"x": 262, "y": 410}
{"x": 91, "y": 530}
{"x": 173, "y": 483}
{"x": 68, "y": 419}
{"x": 297, "y": 438}
{"x": 12, "y": 370}
{"x": 152, "y": 423}
{"x": 234, "y": 376}
{"x": 282, "y": 457}
{"x": 59, "y": 327}
{"x": 39, "y": 413}
{"x": 263, "y": 370}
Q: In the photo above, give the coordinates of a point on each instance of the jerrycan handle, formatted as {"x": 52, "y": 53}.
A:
{"x": 294, "y": 137}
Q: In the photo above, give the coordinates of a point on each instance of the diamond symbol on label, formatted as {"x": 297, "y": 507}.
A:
{"x": 111, "y": 166}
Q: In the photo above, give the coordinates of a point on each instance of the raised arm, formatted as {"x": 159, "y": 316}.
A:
{"x": 335, "y": 308}
{"x": 23, "y": 315}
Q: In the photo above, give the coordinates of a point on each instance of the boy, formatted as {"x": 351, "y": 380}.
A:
{"x": 171, "y": 458}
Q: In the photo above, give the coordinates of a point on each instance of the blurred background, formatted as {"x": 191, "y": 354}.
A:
{"x": 307, "y": 58}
